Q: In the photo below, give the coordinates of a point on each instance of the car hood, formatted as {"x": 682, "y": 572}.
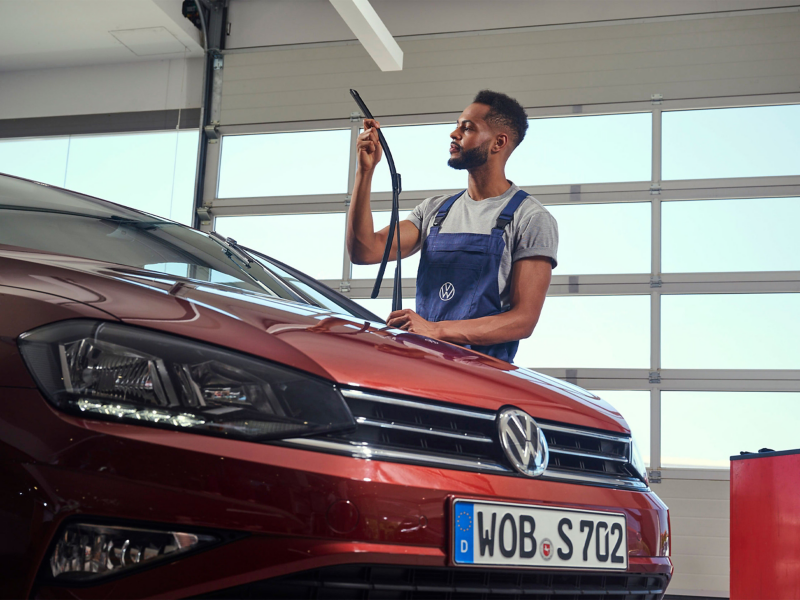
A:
{"x": 344, "y": 349}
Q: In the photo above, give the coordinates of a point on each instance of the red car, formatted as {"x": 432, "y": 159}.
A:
{"x": 182, "y": 416}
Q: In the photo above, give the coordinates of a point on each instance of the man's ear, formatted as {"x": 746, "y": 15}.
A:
{"x": 501, "y": 142}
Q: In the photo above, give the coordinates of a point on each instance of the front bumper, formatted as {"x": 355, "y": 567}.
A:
{"x": 302, "y": 510}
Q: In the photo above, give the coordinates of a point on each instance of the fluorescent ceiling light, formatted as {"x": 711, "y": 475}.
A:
{"x": 371, "y": 32}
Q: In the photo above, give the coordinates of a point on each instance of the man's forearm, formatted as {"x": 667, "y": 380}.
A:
{"x": 496, "y": 329}
{"x": 360, "y": 234}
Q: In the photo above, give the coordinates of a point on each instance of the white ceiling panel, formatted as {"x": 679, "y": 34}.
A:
{"x": 41, "y": 34}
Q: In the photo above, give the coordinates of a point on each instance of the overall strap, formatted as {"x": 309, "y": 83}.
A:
{"x": 445, "y": 208}
{"x": 508, "y": 212}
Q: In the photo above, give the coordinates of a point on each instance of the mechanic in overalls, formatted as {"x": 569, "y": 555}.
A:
{"x": 487, "y": 252}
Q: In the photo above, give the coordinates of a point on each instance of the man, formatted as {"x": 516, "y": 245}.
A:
{"x": 487, "y": 252}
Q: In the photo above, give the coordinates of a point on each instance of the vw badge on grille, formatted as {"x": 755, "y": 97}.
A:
{"x": 523, "y": 442}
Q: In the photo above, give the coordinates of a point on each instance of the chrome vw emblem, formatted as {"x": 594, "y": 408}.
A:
{"x": 523, "y": 442}
{"x": 447, "y": 291}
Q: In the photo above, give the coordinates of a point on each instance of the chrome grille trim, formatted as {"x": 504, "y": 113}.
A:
{"x": 423, "y": 430}
{"x": 419, "y": 405}
{"x": 359, "y": 451}
{"x": 589, "y": 455}
{"x": 603, "y": 436}
{"x": 629, "y": 483}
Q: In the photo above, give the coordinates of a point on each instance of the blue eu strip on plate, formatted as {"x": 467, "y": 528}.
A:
{"x": 464, "y": 532}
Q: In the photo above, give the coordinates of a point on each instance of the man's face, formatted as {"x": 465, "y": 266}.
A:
{"x": 471, "y": 139}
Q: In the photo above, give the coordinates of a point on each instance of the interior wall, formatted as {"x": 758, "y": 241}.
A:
{"x": 700, "y": 518}
{"x": 684, "y": 58}
{"x": 99, "y": 89}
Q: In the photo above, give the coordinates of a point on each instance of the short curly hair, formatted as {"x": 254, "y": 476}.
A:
{"x": 505, "y": 112}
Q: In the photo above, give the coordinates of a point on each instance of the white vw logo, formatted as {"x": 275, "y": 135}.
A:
{"x": 523, "y": 442}
{"x": 447, "y": 291}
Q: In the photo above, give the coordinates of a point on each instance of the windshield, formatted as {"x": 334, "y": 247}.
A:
{"x": 49, "y": 219}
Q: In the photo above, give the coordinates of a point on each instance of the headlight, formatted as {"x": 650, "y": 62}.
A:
{"x": 637, "y": 463}
{"x": 123, "y": 373}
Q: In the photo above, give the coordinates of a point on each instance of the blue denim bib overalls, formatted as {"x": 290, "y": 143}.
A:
{"x": 457, "y": 277}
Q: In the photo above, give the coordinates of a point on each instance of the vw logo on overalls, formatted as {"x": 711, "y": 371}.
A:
{"x": 523, "y": 442}
{"x": 447, "y": 291}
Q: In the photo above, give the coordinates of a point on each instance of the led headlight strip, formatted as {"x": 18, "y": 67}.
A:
{"x": 110, "y": 371}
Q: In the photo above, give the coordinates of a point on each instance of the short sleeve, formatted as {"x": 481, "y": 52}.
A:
{"x": 417, "y": 216}
{"x": 536, "y": 234}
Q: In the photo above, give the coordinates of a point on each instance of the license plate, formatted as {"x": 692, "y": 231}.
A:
{"x": 519, "y": 535}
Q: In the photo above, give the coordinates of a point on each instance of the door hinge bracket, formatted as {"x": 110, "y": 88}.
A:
{"x": 344, "y": 287}
{"x": 655, "y": 282}
{"x": 219, "y": 62}
{"x": 654, "y": 377}
{"x": 654, "y": 476}
{"x": 655, "y": 189}
{"x": 355, "y": 117}
{"x": 656, "y": 99}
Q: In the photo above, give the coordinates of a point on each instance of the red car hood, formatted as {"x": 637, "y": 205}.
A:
{"x": 340, "y": 348}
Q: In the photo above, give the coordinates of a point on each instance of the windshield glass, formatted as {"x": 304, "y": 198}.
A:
{"x": 38, "y": 217}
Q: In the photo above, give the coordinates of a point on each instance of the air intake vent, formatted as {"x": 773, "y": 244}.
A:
{"x": 418, "y": 583}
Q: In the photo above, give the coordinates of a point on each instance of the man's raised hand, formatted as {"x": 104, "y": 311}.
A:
{"x": 368, "y": 147}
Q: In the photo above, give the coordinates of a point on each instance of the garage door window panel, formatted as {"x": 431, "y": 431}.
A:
{"x": 756, "y": 141}
{"x": 284, "y": 164}
{"x": 603, "y": 238}
{"x": 730, "y": 331}
{"x": 578, "y": 150}
{"x": 293, "y": 239}
{"x": 40, "y": 159}
{"x": 589, "y": 332}
{"x": 704, "y": 429}
{"x": 137, "y": 170}
{"x": 420, "y": 154}
{"x": 731, "y": 235}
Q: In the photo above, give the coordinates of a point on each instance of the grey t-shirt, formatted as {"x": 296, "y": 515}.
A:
{"x": 533, "y": 232}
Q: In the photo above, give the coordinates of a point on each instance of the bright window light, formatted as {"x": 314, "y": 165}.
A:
{"x": 756, "y": 141}
{"x": 730, "y": 331}
{"x": 284, "y": 164}
{"x": 590, "y": 149}
{"x": 603, "y": 238}
{"x": 293, "y": 239}
{"x": 757, "y": 234}
{"x": 590, "y": 332}
{"x": 704, "y": 429}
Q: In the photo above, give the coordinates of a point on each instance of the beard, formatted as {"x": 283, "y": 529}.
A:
{"x": 470, "y": 159}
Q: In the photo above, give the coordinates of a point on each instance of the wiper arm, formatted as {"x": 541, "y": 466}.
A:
{"x": 394, "y": 222}
{"x": 231, "y": 246}
{"x": 233, "y": 250}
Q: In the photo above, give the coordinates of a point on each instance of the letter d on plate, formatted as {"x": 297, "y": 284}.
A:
{"x": 464, "y": 529}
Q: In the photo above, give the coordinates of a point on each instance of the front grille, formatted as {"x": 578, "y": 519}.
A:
{"x": 427, "y": 433}
{"x": 388, "y": 582}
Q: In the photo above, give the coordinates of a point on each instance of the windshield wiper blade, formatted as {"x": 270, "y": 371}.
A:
{"x": 394, "y": 222}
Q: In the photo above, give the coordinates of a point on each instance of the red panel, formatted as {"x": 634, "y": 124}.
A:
{"x": 765, "y": 527}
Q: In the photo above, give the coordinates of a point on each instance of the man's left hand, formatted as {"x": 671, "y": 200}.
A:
{"x": 408, "y": 320}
